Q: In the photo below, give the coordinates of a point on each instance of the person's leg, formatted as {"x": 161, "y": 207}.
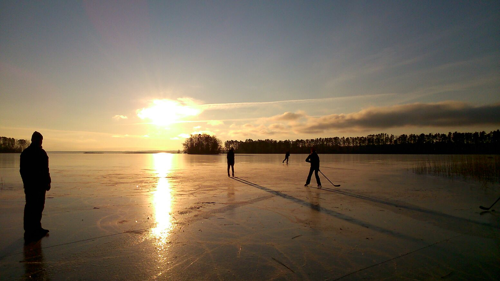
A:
{"x": 232, "y": 169}
{"x": 309, "y": 176}
{"x": 228, "y": 165}
{"x": 29, "y": 209}
{"x": 35, "y": 203}
{"x": 317, "y": 177}
{"x": 40, "y": 205}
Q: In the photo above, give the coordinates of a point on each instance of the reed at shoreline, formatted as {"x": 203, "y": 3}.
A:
{"x": 482, "y": 168}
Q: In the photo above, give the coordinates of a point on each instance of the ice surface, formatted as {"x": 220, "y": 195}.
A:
{"x": 164, "y": 216}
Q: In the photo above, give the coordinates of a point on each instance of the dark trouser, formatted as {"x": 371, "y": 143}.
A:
{"x": 35, "y": 202}
{"x": 315, "y": 173}
{"x": 232, "y": 168}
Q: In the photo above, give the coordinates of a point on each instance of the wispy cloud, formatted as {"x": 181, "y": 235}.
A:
{"x": 450, "y": 87}
{"x": 215, "y": 122}
{"x": 168, "y": 111}
{"x": 130, "y": 136}
{"x": 203, "y": 132}
{"x": 220, "y": 106}
{"x": 288, "y": 116}
{"x": 120, "y": 117}
{"x": 251, "y": 130}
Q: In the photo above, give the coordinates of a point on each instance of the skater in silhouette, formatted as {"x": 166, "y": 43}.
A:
{"x": 34, "y": 169}
{"x": 313, "y": 158}
{"x": 230, "y": 161}
{"x": 286, "y": 157}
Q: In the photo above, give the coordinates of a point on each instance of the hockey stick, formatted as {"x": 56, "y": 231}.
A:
{"x": 336, "y": 185}
{"x": 484, "y": 208}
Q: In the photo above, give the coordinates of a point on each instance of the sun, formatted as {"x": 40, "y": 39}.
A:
{"x": 165, "y": 112}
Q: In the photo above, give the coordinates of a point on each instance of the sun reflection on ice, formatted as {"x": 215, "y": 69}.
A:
{"x": 162, "y": 199}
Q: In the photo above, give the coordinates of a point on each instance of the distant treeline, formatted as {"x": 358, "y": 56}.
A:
{"x": 12, "y": 145}
{"x": 451, "y": 143}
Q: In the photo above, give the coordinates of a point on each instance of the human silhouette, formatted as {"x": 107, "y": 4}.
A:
{"x": 286, "y": 157}
{"x": 34, "y": 169}
{"x": 313, "y": 158}
{"x": 230, "y": 161}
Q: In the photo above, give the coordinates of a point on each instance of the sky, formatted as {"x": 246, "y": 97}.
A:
{"x": 144, "y": 75}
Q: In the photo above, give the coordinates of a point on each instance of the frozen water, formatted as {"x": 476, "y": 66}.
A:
{"x": 170, "y": 216}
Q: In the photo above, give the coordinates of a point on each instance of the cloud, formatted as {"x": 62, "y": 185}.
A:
{"x": 442, "y": 114}
{"x": 222, "y": 106}
{"x": 278, "y": 128}
{"x": 288, "y": 116}
{"x": 250, "y": 130}
{"x": 203, "y": 132}
{"x": 130, "y": 136}
{"x": 185, "y": 136}
{"x": 439, "y": 115}
{"x": 468, "y": 84}
{"x": 215, "y": 122}
{"x": 120, "y": 117}
{"x": 168, "y": 111}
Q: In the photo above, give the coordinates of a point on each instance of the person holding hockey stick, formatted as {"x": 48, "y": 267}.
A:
{"x": 313, "y": 158}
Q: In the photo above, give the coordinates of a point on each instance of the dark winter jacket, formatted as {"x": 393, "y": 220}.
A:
{"x": 313, "y": 158}
{"x": 230, "y": 157}
{"x": 35, "y": 168}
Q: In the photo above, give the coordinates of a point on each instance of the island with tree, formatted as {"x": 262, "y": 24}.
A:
{"x": 202, "y": 144}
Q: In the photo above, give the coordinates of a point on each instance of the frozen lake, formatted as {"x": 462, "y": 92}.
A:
{"x": 174, "y": 216}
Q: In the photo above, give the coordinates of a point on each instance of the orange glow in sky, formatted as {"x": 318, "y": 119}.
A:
{"x": 166, "y": 112}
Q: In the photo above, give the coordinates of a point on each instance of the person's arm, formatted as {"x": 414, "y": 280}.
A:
{"x": 22, "y": 167}
{"x": 308, "y": 159}
{"x": 47, "y": 173}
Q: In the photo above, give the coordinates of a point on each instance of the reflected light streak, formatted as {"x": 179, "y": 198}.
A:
{"x": 162, "y": 198}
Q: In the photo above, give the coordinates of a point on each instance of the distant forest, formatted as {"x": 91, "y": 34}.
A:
{"x": 12, "y": 145}
{"x": 451, "y": 143}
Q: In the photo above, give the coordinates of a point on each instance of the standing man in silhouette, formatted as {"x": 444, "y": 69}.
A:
{"x": 230, "y": 161}
{"x": 36, "y": 179}
{"x": 313, "y": 158}
{"x": 286, "y": 157}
